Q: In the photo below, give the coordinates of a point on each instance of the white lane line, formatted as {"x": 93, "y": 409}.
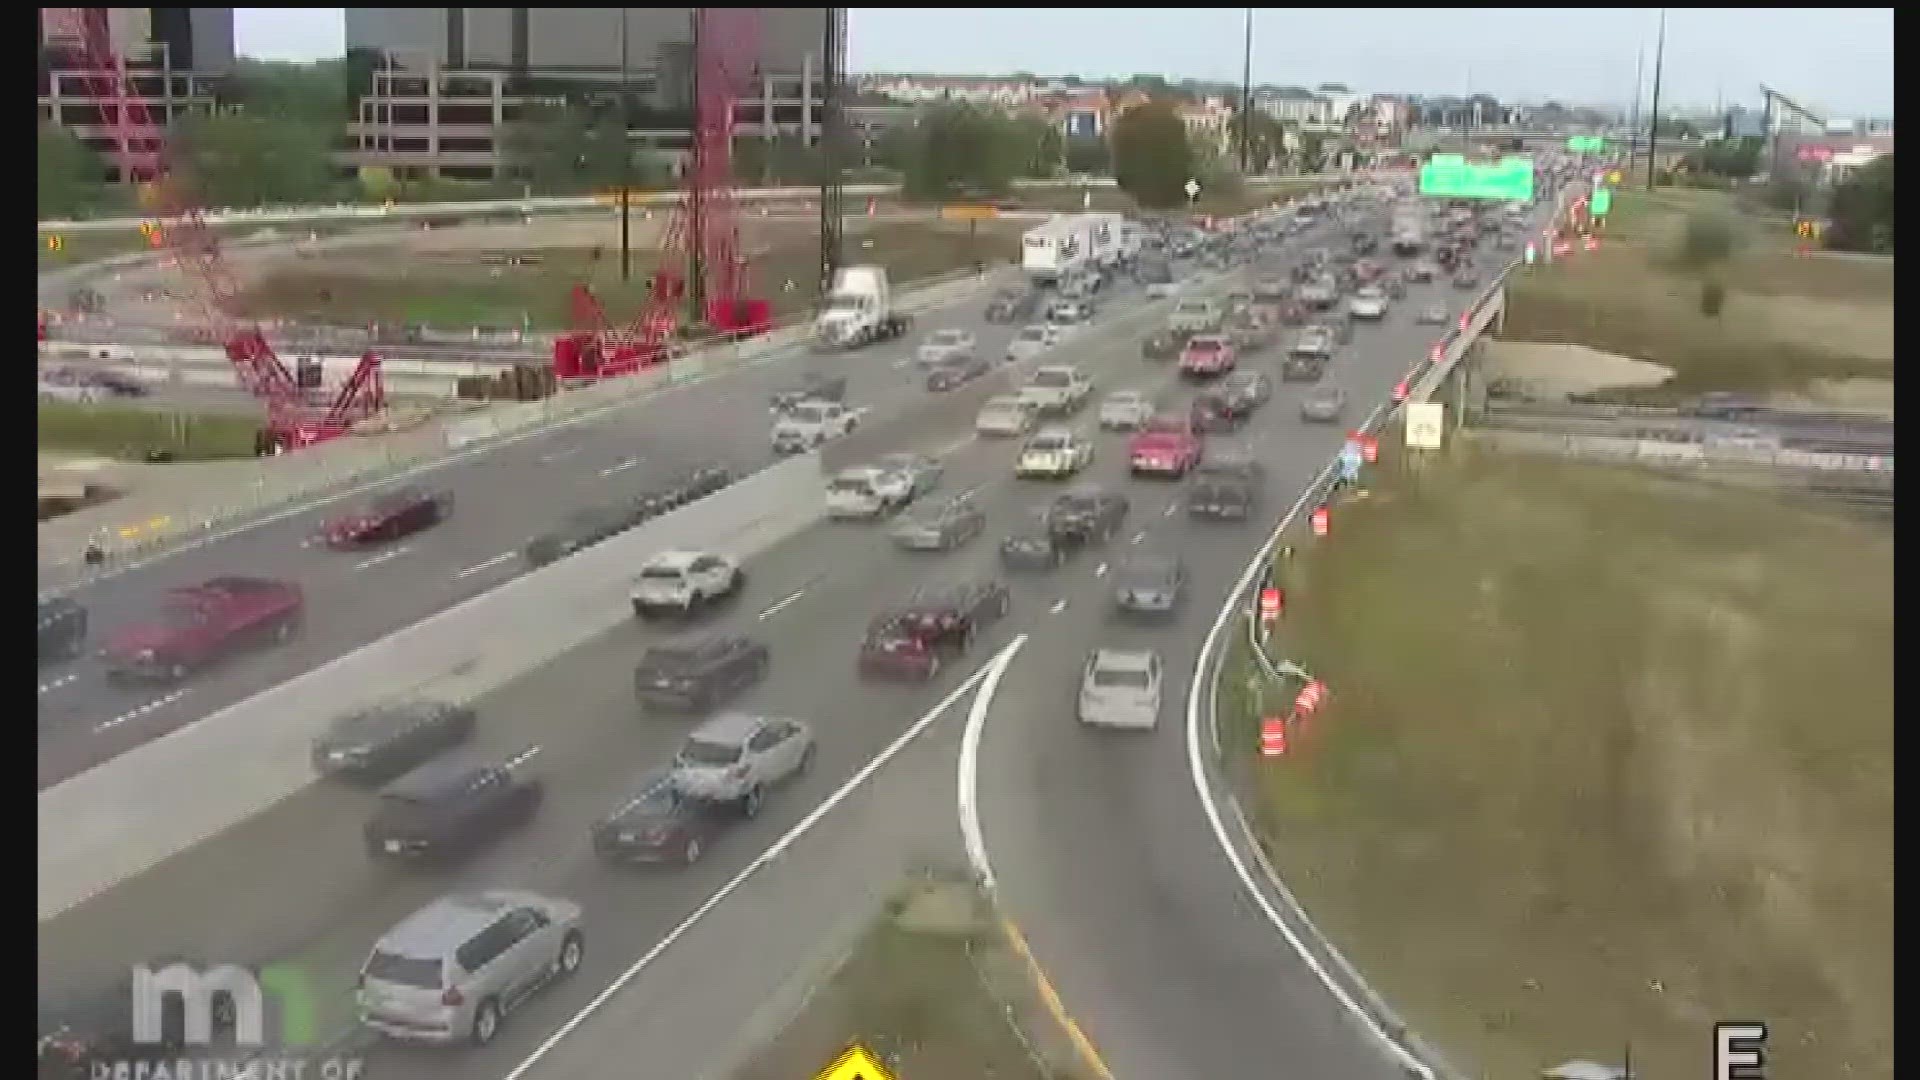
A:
{"x": 1101, "y": 570}
{"x": 134, "y": 714}
{"x": 952, "y": 448}
{"x": 773, "y": 852}
{"x": 55, "y": 684}
{"x": 488, "y": 565}
{"x": 558, "y": 455}
{"x": 383, "y": 557}
{"x": 621, "y": 466}
{"x": 1059, "y": 606}
{"x": 1139, "y": 537}
{"x": 776, "y": 607}
{"x": 1203, "y": 787}
{"x": 1172, "y": 508}
{"x": 969, "y": 771}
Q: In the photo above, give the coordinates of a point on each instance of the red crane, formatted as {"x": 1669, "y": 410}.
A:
{"x": 140, "y": 147}
{"x": 702, "y": 280}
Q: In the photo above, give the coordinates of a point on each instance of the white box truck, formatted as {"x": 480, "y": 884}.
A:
{"x": 1105, "y": 233}
{"x": 1058, "y": 247}
{"x": 859, "y": 310}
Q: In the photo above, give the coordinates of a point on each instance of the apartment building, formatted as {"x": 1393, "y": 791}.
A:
{"x": 448, "y": 81}
{"x": 176, "y": 58}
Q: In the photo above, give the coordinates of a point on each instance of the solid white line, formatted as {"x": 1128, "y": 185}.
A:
{"x": 774, "y": 851}
{"x": 1204, "y": 789}
{"x": 488, "y": 565}
{"x": 776, "y": 606}
{"x": 385, "y": 556}
{"x": 969, "y": 770}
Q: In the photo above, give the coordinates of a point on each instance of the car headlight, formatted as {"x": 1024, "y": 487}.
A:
{"x": 144, "y": 654}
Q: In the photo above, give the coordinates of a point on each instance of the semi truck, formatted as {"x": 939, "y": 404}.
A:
{"x": 859, "y": 310}
{"x": 1056, "y": 248}
{"x": 1409, "y": 232}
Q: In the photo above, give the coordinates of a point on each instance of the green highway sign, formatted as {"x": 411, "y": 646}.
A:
{"x": 1587, "y": 144}
{"x": 1451, "y": 176}
{"x": 1602, "y": 202}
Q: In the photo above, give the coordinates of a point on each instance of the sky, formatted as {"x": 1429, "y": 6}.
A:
{"x": 1837, "y": 58}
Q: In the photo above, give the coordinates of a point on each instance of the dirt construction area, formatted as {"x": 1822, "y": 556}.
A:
{"x": 1806, "y": 330}
{"x": 1607, "y": 757}
{"x": 509, "y": 275}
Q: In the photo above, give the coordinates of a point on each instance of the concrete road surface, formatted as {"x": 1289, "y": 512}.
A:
{"x": 294, "y": 881}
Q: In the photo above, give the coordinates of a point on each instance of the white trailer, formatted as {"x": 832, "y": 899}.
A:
{"x": 1106, "y": 234}
{"x": 1054, "y": 249}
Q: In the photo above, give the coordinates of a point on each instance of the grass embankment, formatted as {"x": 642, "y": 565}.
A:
{"x": 1607, "y": 757}
{"x": 129, "y": 434}
{"x": 372, "y": 284}
{"x": 1789, "y": 323}
{"x": 932, "y": 988}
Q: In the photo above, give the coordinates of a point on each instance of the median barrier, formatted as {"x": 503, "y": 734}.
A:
{"x": 132, "y": 812}
{"x": 342, "y": 464}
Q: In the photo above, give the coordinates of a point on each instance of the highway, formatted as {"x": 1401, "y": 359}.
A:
{"x": 1101, "y": 848}
{"x": 310, "y": 892}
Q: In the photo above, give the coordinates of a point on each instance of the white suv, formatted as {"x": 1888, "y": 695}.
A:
{"x": 681, "y": 582}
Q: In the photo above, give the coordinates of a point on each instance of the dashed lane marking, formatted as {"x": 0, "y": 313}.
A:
{"x": 55, "y": 684}
{"x": 1139, "y": 537}
{"x": 134, "y": 714}
{"x": 621, "y": 466}
{"x": 488, "y": 565}
{"x": 1100, "y": 571}
{"x": 785, "y": 601}
{"x": 1059, "y": 606}
{"x": 383, "y": 557}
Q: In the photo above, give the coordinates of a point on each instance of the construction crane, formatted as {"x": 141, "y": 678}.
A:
{"x": 294, "y": 418}
{"x": 702, "y": 283}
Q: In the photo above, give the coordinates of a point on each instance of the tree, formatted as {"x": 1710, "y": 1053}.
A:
{"x": 1707, "y": 242}
{"x": 231, "y": 159}
{"x": 1267, "y": 139}
{"x": 1734, "y": 159}
{"x": 1152, "y": 160}
{"x": 781, "y": 160}
{"x": 317, "y": 92}
{"x": 959, "y": 149}
{"x": 72, "y": 177}
{"x": 1089, "y": 156}
{"x": 1312, "y": 151}
{"x": 1862, "y": 211}
{"x": 551, "y": 148}
{"x": 1036, "y": 145}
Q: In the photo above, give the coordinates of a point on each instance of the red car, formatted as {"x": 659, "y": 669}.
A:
{"x": 1169, "y": 445}
{"x": 389, "y": 517}
{"x": 913, "y": 643}
{"x": 200, "y": 624}
{"x": 1208, "y": 356}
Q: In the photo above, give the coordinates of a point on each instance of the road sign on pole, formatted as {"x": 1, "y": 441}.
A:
{"x": 1426, "y": 424}
{"x": 1602, "y": 201}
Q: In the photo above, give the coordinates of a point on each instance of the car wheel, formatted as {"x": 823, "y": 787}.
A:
{"x": 738, "y": 583}
{"x": 806, "y": 760}
{"x": 572, "y": 950}
{"x": 750, "y": 803}
{"x": 1000, "y": 609}
{"x": 690, "y": 851}
{"x": 486, "y": 1023}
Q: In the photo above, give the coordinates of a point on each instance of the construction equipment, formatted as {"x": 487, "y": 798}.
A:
{"x": 82, "y": 41}
{"x": 701, "y": 286}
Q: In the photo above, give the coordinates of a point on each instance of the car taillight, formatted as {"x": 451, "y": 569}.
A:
{"x": 452, "y": 998}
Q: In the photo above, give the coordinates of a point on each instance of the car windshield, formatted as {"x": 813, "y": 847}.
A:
{"x": 660, "y": 573}
{"x": 1167, "y": 425}
{"x": 1205, "y": 345}
{"x": 672, "y": 654}
{"x": 1032, "y": 333}
{"x": 812, "y": 414}
{"x": 851, "y": 485}
{"x": 395, "y": 501}
{"x": 418, "y": 972}
{"x": 843, "y": 302}
{"x": 1192, "y": 307}
{"x": 702, "y": 752}
{"x": 181, "y": 615}
{"x": 944, "y": 337}
{"x": 1121, "y": 678}
{"x": 1048, "y": 442}
{"x": 1052, "y": 378}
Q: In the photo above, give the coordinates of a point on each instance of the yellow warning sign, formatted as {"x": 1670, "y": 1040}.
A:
{"x": 1614, "y": 177}
{"x": 858, "y": 1063}
{"x": 969, "y": 213}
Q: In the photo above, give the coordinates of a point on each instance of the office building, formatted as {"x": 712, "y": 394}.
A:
{"x": 176, "y": 58}
{"x": 448, "y": 81}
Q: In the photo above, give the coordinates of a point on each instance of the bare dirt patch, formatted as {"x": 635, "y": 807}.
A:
{"x": 1608, "y": 757}
{"x": 1544, "y": 371}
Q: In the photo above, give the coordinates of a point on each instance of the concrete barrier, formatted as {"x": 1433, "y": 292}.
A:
{"x": 119, "y": 818}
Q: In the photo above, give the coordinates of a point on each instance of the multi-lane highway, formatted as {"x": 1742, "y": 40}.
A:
{"x": 503, "y": 497}
{"x": 295, "y": 882}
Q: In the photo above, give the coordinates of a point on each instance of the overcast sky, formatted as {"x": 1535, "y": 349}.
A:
{"x": 1839, "y": 58}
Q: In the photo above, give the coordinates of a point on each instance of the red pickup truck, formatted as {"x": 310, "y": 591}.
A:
{"x": 200, "y": 624}
{"x": 1208, "y": 356}
{"x": 1168, "y": 446}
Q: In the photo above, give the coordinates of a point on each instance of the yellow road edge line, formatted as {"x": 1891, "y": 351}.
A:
{"x": 1083, "y": 1046}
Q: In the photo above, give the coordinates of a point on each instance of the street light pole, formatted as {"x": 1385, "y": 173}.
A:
{"x": 626, "y": 160}
{"x": 1653, "y": 122}
{"x": 1246, "y": 100}
{"x": 1633, "y": 110}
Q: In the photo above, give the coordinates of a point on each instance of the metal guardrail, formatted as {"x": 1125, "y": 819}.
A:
{"x": 343, "y": 465}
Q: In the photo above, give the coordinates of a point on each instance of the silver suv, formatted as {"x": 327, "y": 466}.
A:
{"x": 451, "y": 970}
{"x": 735, "y": 758}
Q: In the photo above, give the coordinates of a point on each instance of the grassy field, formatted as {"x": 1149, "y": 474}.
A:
{"x": 1790, "y": 323}
{"x": 1252, "y": 195}
{"x": 455, "y": 292}
{"x": 1607, "y": 757}
{"x": 931, "y": 988}
{"x": 130, "y": 433}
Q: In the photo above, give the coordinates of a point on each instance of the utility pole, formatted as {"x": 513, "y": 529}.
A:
{"x": 1653, "y": 124}
{"x": 1246, "y": 100}
{"x": 626, "y": 159}
{"x": 1633, "y": 109}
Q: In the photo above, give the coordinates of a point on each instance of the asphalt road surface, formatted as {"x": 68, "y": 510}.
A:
{"x": 503, "y": 498}
{"x": 294, "y": 881}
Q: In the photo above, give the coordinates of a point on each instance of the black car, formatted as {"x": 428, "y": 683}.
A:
{"x": 452, "y": 805}
{"x": 586, "y": 528}
{"x": 397, "y": 514}
{"x": 1086, "y": 514}
{"x": 63, "y": 628}
{"x": 811, "y": 387}
{"x": 952, "y": 371}
{"x": 90, "y": 1035}
{"x": 697, "y": 673}
{"x": 1012, "y": 306}
{"x": 1149, "y": 586}
{"x": 1246, "y": 391}
{"x": 657, "y": 823}
{"x": 388, "y": 740}
{"x": 1036, "y": 548}
{"x": 1226, "y": 486}
{"x": 1215, "y": 412}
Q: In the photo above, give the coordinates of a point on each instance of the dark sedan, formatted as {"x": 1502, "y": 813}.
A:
{"x": 389, "y": 517}
{"x": 658, "y": 823}
{"x": 386, "y": 741}
{"x": 949, "y": 372}
{"x": 1149, "y": 586}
